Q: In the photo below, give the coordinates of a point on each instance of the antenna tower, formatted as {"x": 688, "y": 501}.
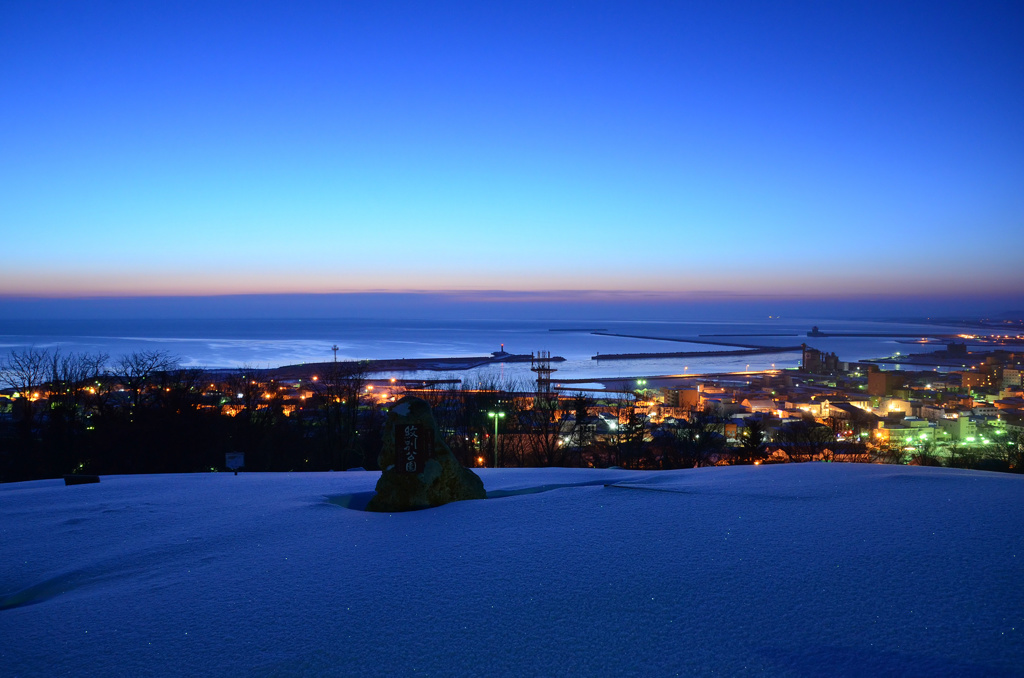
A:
{"x": 541, "y": 364}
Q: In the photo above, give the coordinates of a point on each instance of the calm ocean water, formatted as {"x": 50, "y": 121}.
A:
{"x": 275, "y": 342}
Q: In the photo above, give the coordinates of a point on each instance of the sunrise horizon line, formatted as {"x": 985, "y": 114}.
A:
{"x": 512, "y": 294}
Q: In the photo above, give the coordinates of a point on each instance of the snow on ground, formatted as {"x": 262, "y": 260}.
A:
{"x": 802, "y": 569}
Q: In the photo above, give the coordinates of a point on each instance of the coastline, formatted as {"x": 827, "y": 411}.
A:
{"x": 298, "y": 349}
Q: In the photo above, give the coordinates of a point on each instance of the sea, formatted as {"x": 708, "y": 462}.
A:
{"x": 274, "y": 342}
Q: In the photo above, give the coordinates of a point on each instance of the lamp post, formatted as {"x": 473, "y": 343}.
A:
{"x": 496, "y": 416}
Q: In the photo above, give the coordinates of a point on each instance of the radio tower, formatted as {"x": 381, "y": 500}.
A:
{"x": 541, "y": 364}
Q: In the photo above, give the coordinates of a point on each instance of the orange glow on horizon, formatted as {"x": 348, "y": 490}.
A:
{"x": 497, "y": 286}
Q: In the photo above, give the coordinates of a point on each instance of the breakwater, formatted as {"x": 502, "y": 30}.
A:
{"x": 696, "y": 354}
{"x": 691, "y": 341}
{"x": 882, "y": 335}
{"x": 307, "y": 370}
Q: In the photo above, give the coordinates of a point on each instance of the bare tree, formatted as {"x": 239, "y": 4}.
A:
{"x": 74, "y": 373}
{"x": 695, "y": 442}
{"x": 181, "y": 389}
{"x": 544, "y": 430}
{"x": 74, "y": 380}
{"x": 893, "y": 453}
{"x": 339, "y": 390}
{"x": 25, "y": 371}
{"x": 963, "y": 456}
{"x": 136, "y": 372}
{"x": 805, "y": 439}
{"x": 1009, "y": 451}
{"x": 245, "y": 386}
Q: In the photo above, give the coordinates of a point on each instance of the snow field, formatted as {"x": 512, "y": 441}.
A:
{"x": 802, "y": 569}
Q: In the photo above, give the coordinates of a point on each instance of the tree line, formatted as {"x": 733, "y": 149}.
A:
{"x": 144, "y": 413}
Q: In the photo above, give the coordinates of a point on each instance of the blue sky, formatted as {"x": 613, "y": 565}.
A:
{"x": 779, "y": 148}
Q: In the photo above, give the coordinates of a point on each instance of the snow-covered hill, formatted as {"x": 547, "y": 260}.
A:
{"x": 810, "y": 570}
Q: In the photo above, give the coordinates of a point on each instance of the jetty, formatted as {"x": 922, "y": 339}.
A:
{"x": 696, "y": 354}
{"x": 306, "y": 370}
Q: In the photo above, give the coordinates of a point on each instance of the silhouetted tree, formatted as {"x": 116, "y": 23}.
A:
{"x": 752, "y": 442}
{"x": 338, "y": 392}
{"x": 581, "y": 437}
{"x": 804, "y": 439}
{"x": 25, "y": 371}
{"x": 893, "y": 453}
{"x": 136, "y": 372}
{"x": 544, "y": 431}
{"x": 1010, "y": 451}
{"x": 963, "y": 456}
{"x": 693, "y": 442}
{"x": 74, "y": 379}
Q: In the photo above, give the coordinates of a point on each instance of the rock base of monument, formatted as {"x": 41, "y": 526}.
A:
{"x": 419, "y": 470}
{"x": 439, "y": 484}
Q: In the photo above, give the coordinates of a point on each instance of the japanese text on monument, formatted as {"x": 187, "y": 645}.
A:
{"x": 413, "y": 443}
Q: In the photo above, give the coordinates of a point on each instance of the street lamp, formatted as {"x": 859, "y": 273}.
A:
{"x": 496, "y": 416}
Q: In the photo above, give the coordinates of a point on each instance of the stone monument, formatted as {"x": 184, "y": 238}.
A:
{"x": 419, "y": 470}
